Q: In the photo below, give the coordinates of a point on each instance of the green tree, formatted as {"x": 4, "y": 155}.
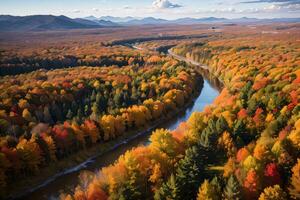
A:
{"x": 169, "y": 190}
{"x": 232, "y": 189}
{"x": 188, "y": 173}
{"x": 221, "y": 125}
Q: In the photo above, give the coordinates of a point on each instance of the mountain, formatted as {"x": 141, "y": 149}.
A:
{"x": 43, "y": 22}
{"x": 91, "y": 18}
{"x": 117, "y": 19}
{"x": 96, "y": 22}
{"x": 106, "y": 23}
{"x": 50, "y": 22}
{"x": 200, "y": 20}
{"x": 147, "y": 21}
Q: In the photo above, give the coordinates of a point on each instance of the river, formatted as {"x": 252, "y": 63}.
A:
{"x": 67, "y": 182}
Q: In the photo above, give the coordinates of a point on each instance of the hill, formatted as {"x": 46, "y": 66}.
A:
{"x": 43, "y": 22}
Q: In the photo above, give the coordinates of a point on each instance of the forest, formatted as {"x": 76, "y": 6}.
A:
{"x": 254, "y": 123}
{"x": 69, "y": 98}
{"x": 48, "y": 115}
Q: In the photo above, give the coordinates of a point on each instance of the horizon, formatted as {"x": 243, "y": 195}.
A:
{"x": 139, "y": 18}
{"x": 164, "y": 9}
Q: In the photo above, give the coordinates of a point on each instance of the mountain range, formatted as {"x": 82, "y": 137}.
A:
{"x": 50, "y": 22}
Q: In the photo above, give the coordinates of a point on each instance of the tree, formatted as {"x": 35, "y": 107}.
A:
{"x": 90, "y": 127}
{"x": 51, "y": 147}
{"x": 168, "y": 190}
{"x": 30, "y": 154}
{"x": 189, "y": 172}
{"x": 27, "y": 115}
{"x": 69, "y": 114}
{"x": 226, "y": 142}
{"x": 162, "y": 140}
{"x": 273, "y": 193}
{"x": 232, "y": 190}
{"x": 132, "y": 187}
{"x": 94, "y": 192}
{"x": 207, "y": 192}
{"x": 251, "y": 184}
{"x": 272, "y": 176}
{"x": 79, "y": 194}
{"x": 47, "y": 115}
{"x": 221, "y": 125}
{"x": 294, "y": 188}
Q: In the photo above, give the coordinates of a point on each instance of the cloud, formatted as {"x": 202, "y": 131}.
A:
{"x": 96, "y": 9}
{"x": 273, "y": 8}
{"x": 76, "y": 11}
{"x": 284, "y": 2}
{"x": 127, "y": 7}
{"x": 164, "y": 4}
{"x": 279, "y": 5}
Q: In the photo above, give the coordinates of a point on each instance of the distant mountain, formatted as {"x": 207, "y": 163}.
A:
{"x": 50, "y": 22}
{"x": 91, "y": 18}
{"x": 95, "y": 21}
{"x": 147, "y": 21}
{"x": 118, "y": 19}
{"x": 200, "y": 20}
{"x": 43, "y": 22}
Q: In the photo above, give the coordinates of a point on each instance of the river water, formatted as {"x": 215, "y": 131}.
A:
{"x": 67, "y": 182}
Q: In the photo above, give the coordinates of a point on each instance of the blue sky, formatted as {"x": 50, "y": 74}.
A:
{"x": 169, "y": 9}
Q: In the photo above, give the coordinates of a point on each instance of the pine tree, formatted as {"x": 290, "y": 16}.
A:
{"x": 188, "y": 173}
{"x": 47, "y": 115}
{"x": 232, "y": 190}
{"x": 69, "y": 114}
{"x": 131, "y": 190}
{"x": 215, "y": 184}
{"x": 169, "y": 190}
{"x": 221, "y": 125}
{"x": 207, "y": 192}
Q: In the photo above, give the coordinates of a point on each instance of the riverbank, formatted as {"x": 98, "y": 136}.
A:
{"x": 80, "y": 160}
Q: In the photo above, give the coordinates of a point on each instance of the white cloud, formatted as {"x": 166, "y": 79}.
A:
{"x": 96, "y": 9}
{"x": 127, "y": 7}
{"x": 164, "y": 4}
{"x": 76, "y": 11}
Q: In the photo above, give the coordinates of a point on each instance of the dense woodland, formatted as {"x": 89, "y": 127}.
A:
{"x": 76, "y": 95}
{"x": 255, "y": 123}
{"x": 45, "y": 116}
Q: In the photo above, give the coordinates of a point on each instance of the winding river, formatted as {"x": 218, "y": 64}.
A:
{"x": 67, "y": 182}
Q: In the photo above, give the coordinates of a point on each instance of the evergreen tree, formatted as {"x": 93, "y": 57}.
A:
{"x": 188, "y": 173}
{"x": 215, "y": 184}
{"x": 132, "y": 189}
{"x": 221, "y": 125}
{"x": 169, "y": 190}
{"x": 69, "y": 114}
{"x": 232, "y": 189}
{"x": 207, "y": 192}
{"x": 47, "y": 115}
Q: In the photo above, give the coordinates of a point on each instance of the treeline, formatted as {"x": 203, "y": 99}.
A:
{"x": 160, "y": 37}
{"x": 45, "y": 116}
{"x": 244, "y": 146}
{"x": 12, "y": 63}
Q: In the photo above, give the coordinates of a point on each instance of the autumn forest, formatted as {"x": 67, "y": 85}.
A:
{"x": 69, "y": 96}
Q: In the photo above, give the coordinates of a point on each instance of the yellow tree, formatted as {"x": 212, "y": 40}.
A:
{"x": 273, "y": 193}
{"x": 206, "y": 192}
{"x": 295, "y": 181}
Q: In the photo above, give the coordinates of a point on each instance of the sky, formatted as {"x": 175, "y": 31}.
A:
{"x": 167, "y": 9}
